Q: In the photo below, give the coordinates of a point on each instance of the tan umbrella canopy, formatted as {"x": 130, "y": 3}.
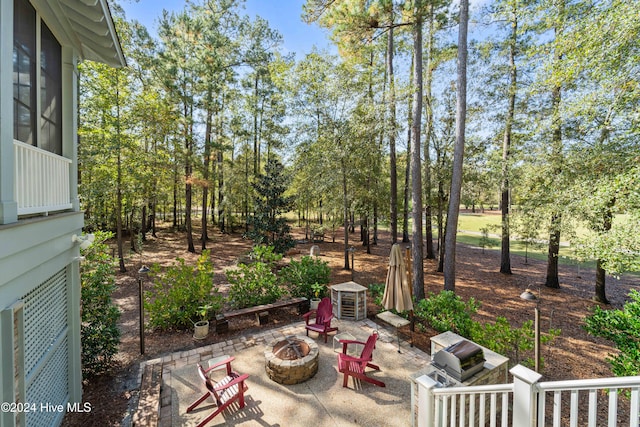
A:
{"x": 397, "y": 291}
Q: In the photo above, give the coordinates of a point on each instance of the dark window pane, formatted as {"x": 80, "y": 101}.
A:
{"x": 24, "y": 71}
{"x": 51, "y": 92}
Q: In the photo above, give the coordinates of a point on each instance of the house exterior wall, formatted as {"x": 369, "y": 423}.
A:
{"x": 40, "y": 353}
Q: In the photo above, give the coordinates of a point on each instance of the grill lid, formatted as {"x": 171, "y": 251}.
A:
{"x": 461, "y": 360}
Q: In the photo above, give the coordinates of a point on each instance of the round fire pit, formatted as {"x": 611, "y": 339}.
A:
{"x": 291, "y": 360}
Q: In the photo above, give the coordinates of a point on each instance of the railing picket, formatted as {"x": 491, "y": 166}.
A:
{"x": 613, "y": 407}
{"x": 573, "y": 409}
{"x": 454, "y": 411}
{"x": 472, "y": 410}
{"x": 593, "y": 407}
{"x": 557, "y": 408}
{"x": 462, "y": 410}
{"x": 493, "y": 410}
{"x": 482, "y": 411}
{"x": 542, "y": 407}
{"x": 633, "y": 416}
{"x": 505, "y": 409}
{"x": 445, "y": 410}
{"x": 437, "y": 413}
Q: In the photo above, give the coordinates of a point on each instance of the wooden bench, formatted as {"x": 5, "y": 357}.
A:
{"x": 261, "y": 312}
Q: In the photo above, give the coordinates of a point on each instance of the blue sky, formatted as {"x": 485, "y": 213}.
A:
{"x": 283, "y": 15}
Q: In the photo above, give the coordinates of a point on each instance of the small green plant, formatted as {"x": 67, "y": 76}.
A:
{"x": 376, "y": 290}
{"x": 266, "y": 254}
{"x": 623, "y": 328}
{"x": 300, "y": 276}
{"x": 252, "y": 285}
{"x": 180, "y": 292}
{"x": 447, "y": 312}
{"x": 319, "y": 290}
{"x": 99, "y": 331}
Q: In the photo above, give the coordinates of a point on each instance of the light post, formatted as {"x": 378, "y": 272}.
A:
{"x": 352, "y": 250}
{"x": 141, "y": 274}
{"x": 530, "y": 296}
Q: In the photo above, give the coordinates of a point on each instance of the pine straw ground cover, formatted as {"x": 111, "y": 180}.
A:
{"x": 573, "y": 355}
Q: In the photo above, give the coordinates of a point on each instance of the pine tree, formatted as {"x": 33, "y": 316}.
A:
{"x": 267, "y": 224}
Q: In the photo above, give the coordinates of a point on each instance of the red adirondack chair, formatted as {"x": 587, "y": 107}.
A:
{"x": 355, "y": 366}
{"x": 226, "y": 391}
{"x": 321, "y": 319}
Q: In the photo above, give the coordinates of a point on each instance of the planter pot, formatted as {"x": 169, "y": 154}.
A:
{"x": 201, "y": 330}
{"x": 313, "y": 305}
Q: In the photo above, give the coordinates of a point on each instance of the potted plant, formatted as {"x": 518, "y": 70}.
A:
{"x": 201, "y": 327}
{"x": 318, "y": 292}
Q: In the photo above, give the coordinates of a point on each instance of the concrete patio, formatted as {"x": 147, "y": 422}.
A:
{"x": 320, "y": 400}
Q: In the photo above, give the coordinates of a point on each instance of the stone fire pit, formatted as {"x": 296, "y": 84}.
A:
{"x": 291, "y": 360}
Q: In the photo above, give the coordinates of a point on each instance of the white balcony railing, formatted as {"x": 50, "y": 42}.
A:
{"x": 559, "y": 403}
{"x": 41, "y": 181}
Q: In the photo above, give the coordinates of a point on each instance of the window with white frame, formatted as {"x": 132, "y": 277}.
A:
{"x": 36, "y": 93}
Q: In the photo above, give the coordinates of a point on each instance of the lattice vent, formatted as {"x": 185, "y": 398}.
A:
{"x": 45, "y": 318}
{"x": 50, "y": 387}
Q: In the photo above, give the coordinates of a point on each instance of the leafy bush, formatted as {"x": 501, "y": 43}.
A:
{"x": 299, "y": 276}
{"x": 447, "y": 312}
{"x": 266, "y": 254}
{"x": 502, "y": 338}
{"x": 99, "y": 331}
{"x": 623, "y": 328}
{"x": 376, "y": 291}
{"x": 179, "y": 294}
{"x": 253, "y": 285}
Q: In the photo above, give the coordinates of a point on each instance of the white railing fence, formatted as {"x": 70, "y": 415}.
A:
{"x": 529, "y": 403}
{"x": 41, "y": 181}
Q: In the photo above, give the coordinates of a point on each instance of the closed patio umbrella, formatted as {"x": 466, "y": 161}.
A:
{"x": 397, "y": 291}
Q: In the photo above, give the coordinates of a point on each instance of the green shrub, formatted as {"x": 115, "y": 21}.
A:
{"x": 447, "y": 312}
{"x": 623, "y": 328}
{"x": 299, "y": 276}
{"x": 376, "y": 291}
{"x": 99, "y": 331}
{"x": 253, "y": 285}
{"x": 512, "y": 342}
{"x": 179, "y": 294}
{"x": 266, "y": 254}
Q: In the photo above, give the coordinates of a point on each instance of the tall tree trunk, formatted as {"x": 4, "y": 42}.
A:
{"x": 427, "y": 143}
{"x": 552, "y": 279}
{"x": 204, "y": 236}
{"x": 175, "y": 194}
{"x": 416, "y": 169}
{"x": 458, "y": 155}
{"x": 392, "y": 135}
{"x": 346, "y": 214}
{"x": 505, "y": 254}
{"x": 601, "y": 274}
{"x": 188, "y": 173}
{"x": 255, "y": 128}
{"x": 407, "y": 171}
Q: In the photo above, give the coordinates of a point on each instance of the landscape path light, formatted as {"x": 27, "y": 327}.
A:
{"x": 527, "y": 295}
{"x": 142, "y": 273}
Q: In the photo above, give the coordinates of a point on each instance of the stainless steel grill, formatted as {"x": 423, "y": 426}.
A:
{"x": 461, "y": 360}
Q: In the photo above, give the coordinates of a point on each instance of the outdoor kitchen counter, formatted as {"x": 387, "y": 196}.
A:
{"x": 495, "y": 366}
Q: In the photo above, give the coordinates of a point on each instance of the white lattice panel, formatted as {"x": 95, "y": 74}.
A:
{"x": 50, "y": 387}
{"x": 46, "y": 348}
{"x": 45, "y": 318}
